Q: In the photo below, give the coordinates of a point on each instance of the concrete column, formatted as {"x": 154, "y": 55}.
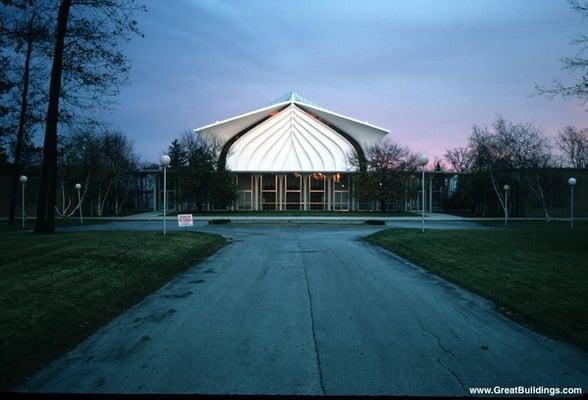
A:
{"x": 278, "y": 194}
{"x": 304, "y": 189}
{"x": 258, "y": 197}
{"x": 254, "y": 194}
{"x": 307, "y": 193}
{"x": 326, "y": 193}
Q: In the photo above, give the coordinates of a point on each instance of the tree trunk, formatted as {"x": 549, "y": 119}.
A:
{"x": 22, "y": 121}
{"x": 45, "y": 222}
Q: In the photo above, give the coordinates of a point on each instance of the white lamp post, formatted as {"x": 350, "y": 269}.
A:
{"x": 23, "y": 179}
{"x": 572, "y": 183}
{"x": 423, "y": 160}
{"x": 78, "y": 187}
{"x": 164, "y": 161}
{"x": 506, "y": 189}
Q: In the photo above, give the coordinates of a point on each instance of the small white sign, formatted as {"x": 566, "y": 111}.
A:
{"x": 185, "y": 220}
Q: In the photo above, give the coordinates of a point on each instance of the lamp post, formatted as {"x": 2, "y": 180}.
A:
{"x": 506, "y": 189}
{"x": 572, "y": 183}
{"x": 78, "y": 187}
{"x": 23, "y": 180}
{"x": 164, "y": 161}
{"x": 423, "y": 160}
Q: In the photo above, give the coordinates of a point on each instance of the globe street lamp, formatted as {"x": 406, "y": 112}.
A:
{"x": 423, "y": 160}
{"x": 506, "y": 189}
{"x": 23, "y": 180}
{"x": 164, "y": 161}
{"x": 572, "y": 183}
{"x": 78, "y": 187}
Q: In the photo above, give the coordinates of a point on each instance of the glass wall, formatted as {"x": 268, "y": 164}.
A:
{"x": 317, "y": 192}
{"x": 293, "y": 191}
{"x": 244, "y": 191}
{"x": 341, "y": 192}
{"x": 269, "y": 195}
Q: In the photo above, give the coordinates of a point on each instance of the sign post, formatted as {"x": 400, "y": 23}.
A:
{"x": 185, "y": 220}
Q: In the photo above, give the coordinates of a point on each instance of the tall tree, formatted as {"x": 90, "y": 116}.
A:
{"x": 45, "y": 218}
{"x": 573, "y": 145}
{"x": 507, "y": 147}
{"x": 387, "y": 174}
{"x": 577, "y": 63}
{"x": 203, "y": 179}
{"x": 459, "y": 158}
{"x": 28, "y": 32}
{"x": 86, "y": 55}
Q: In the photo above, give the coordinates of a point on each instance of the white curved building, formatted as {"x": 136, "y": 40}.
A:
{"x": 292, "y": 155}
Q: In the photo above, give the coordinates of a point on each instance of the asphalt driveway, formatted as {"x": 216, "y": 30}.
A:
{"x": 310, "y": 310}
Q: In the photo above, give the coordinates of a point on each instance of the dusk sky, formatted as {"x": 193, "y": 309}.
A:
{"x": 425, "y": 70}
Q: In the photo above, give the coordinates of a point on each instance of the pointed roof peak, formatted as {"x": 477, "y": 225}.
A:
{"x": 292, "y": 97}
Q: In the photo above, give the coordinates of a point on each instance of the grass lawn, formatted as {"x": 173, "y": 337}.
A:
{"x": 535, "y": 272}
{"x": 55, "y": 290}
{"x": 59, "y": 223}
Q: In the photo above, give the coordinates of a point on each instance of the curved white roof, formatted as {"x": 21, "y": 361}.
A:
{"x": 364, "y": 133}
{"x": 290, "y": 141}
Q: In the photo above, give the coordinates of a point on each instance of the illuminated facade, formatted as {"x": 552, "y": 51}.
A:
{"x": 292, "y": 155}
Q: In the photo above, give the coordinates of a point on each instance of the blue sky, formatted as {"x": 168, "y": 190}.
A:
{"x": 426, "y": 70}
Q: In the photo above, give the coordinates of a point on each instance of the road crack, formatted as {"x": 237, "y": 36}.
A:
{"x": 445, "y": 350}
{"x": 439, "y": 343}
{"x": 453, "y": 374}
{"x": 312, "y": 325}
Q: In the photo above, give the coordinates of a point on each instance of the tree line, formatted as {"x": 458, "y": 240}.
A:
{"x": 493, "y": 157}
{"x": 514, "y": 153}
{"x": 61, "y": 61}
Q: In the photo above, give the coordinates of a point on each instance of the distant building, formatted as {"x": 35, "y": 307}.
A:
{"x": 292, "y": 155}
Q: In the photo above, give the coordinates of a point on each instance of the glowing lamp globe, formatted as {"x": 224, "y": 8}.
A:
{"x": 423, "y": 160}
{"x": 165, "y": 160}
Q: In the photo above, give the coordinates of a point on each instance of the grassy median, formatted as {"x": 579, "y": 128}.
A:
{"x": 536, "y": 273}
{"x": 55, "y": 290}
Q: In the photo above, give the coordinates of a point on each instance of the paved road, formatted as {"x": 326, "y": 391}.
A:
{"x": 310, "y": 310}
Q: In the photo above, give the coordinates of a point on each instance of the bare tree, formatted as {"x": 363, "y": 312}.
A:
{"x": 386, "y": 175}
{"x": 86, "y": 55}
{"x": 573, "y": 145}
{"x": 27, "y": 34}
{"x": 459, "y": 158}
{"x": 507, "y": 147}
{"x": 117, "y": 166}
{"x": 577, "y": 63}
{"x": 80, "y": 160}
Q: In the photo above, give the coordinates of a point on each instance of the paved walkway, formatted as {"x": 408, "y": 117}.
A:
{"x": 310, "y": 310}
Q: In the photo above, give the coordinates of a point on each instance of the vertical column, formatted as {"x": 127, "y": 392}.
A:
{"x": 154, "y": 176}
{"x": 303, "y": 193}
{"x": 307, "y": 193}
{"x": 283, "y": 178}
{"x": 258, "y": 196}
{"x": 352, "y": 193}
{"x": 254, "y": 192}
{"x": 278, "y": 193}
{"x": 430, "y": 193}
{"x": 325, "y": 193}
{"x": 328, "y": 192}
